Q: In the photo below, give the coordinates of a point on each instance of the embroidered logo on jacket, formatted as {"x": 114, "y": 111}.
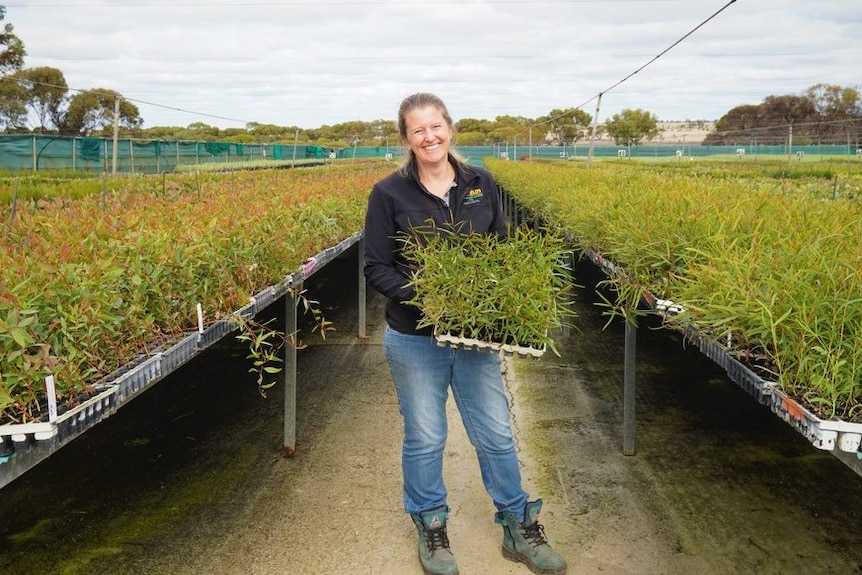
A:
{"x": 473, "y": 196}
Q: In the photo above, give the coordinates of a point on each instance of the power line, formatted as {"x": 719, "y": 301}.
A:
{"x": 669, "y": 48}
{"x": 204, "y": 114}
{"x": 659, "y": 55}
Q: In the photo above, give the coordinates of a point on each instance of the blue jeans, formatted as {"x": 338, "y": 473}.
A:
{"x": 423, "y": 373}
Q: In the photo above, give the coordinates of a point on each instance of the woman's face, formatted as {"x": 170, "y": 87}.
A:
{"x": 428, "y": 134}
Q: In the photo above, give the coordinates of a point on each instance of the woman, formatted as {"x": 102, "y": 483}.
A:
{"x": 434, "y": 187}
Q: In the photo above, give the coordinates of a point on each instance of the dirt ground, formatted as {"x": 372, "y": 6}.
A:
{"x": 188, "y": 478}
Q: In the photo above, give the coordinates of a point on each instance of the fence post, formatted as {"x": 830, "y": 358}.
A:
{"x": 629, "y": 387}
{"x": 289, "y": 373}
{"x": 362, "y": 288}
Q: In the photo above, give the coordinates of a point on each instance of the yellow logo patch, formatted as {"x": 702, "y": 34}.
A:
{"x": 473, "y": 196}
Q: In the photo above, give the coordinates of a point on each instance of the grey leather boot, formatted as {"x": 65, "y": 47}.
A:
{"x": 434, "y": 551}
{"x": 524, "y": 541}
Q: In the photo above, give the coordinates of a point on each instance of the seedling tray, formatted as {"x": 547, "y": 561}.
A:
{"x": 448, "y": 340}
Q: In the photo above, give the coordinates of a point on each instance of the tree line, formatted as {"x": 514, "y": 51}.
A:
{"x": 827, "y": 114}
{"x": 824, "y": 114}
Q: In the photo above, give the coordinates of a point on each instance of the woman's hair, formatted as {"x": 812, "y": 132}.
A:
{"x": 422, "y": 100}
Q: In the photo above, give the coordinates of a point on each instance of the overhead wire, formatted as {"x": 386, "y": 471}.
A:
{"x": 651, "y": 61}
{"x": 669, "y": 48}
{"x": 135, "y": 100}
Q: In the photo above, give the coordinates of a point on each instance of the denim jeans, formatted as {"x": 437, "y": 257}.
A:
{"x": 423, "y": 373}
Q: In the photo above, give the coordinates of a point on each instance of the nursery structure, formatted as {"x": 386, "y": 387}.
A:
{"x": 24, "y": 445}
{"x": 111, "y": 311}
{"x": 27, "y": 444}
{"x": 606, "y": 215}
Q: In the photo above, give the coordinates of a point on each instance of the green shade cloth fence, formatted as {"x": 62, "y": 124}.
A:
{"x": 22, "y": 152}
{"x": 44, "y": 152}
{"x": 91, "y": 149}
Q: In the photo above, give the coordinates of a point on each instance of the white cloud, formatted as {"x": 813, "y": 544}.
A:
{"x": 309, "y": 63}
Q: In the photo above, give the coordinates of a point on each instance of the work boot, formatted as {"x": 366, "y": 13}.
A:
{"x": 434, "y": 551}
{"x": 524, "y": 541}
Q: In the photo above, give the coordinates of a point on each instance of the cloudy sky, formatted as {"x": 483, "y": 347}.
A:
{"x": 308, "y": 63}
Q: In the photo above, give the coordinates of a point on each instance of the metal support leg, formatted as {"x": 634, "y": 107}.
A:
{"x": 570, "y": 293}
{"x": 289, "y": 371}
{"x": 362, "y": 289}
{"x": 629, "y": 390}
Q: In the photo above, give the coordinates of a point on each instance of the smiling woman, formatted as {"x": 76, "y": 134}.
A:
{"x": 436, "y": 190}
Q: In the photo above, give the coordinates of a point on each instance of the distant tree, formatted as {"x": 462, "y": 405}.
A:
{"x": 352, "y": 133}
{"x": 569, "y": 125}
{"x": 838, "y": 110}
{"x": 13, "y": 104}
{"x": 824, "y": 114}
{"x": 237, "y": 135}
{"x": 313, "y": 135}
{"x": 474, "y": 132}
{"x": 789, "y": 109}
{"x": 92, "y": 111}
{"x": 165, "y": 133}
{"x": 201, "y": 131}
{"x": 538, "y": 131}
{"x": 506, "y": 134}
{"x": 13, "y": 109}
{"x": 783, "y": 113}
{"x": 46, "y": 91}
{"x": 734, "y": 128}
{"x": 632, "y": 126}
{"x": 385, "y": 132}
{"x": 12, "y": 50}
{"x": 471, "y": 138}
{"x": 467, "y": 125}
{"x": 510, "y": 129}
{"x": 835, "y": 102}
{"x": 511, "y": 121}
{"x": 269, "y": 132}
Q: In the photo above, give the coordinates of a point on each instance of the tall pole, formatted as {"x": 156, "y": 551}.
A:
{"x": 790, "y": 142}
{"x": 116, "y": 135}
{"x": 593, "y": 130}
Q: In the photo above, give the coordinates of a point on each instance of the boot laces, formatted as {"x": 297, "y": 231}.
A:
{"x": 535, "y": 534}
{"x": 436, "y": 539}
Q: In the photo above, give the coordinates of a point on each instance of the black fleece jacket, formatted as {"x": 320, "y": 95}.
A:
{"x": 399, "y": 204}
